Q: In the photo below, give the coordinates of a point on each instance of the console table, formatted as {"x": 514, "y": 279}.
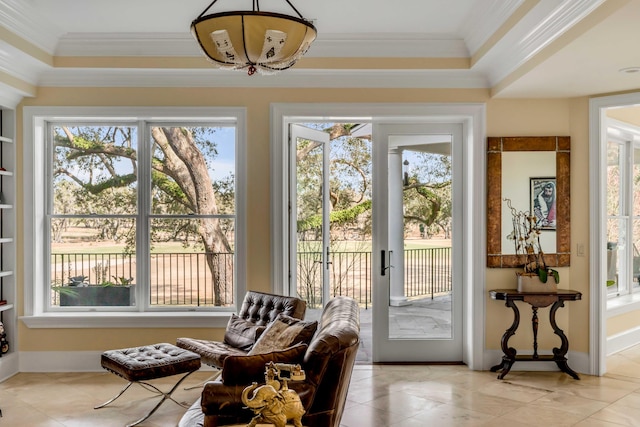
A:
{"x": 535, "y": 300}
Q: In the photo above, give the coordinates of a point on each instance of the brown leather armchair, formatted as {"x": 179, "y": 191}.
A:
{"x": 257, "y": 311}
{"x": 327, "y": 361}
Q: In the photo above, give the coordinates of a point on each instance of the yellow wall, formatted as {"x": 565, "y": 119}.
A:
{"x": 627, "y": 114}
{"x": 622, "y": 323}
{"x": 540, "y": 117}
{"x": 504, "y": 118}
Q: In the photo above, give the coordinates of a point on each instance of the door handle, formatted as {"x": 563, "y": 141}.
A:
{"x": 383, "y": 263}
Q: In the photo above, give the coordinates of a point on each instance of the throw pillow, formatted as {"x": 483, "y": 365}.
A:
{"x": 241, "y": 333}
{"x": 283, "y": 332}
{"x": 243, "y": 370}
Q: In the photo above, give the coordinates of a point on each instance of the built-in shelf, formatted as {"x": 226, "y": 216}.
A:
{"x": 8, "y": 362}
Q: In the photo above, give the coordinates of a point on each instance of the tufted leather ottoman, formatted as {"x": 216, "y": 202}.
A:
{"x": 140, "y": 364}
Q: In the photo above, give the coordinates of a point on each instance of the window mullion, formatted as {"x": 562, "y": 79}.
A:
{"x": 628, "y": 213}
{"x": 632, "y": 252}
{"x": 144, "y": 206}
{"x": 46, "y": 289}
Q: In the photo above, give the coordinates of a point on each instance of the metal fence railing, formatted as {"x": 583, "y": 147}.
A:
{"x": 427, "y": 272}
{"x": 175, "y": 278}
{"x": 186, "y": 278}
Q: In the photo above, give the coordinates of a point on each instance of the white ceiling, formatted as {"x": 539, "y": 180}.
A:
{"x": 516, "y": 48}
{"x": 330, "y": 16}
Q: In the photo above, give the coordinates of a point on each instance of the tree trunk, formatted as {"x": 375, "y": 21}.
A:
{"x": 187, "y": 166}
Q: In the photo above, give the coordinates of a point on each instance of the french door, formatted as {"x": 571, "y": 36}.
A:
{"x": 376, "y": 218}
{"x": 417, "y": 311}
{"x": 309, "y": 203}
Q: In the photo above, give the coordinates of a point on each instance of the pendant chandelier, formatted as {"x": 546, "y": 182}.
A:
{"x": 267, "y": 42}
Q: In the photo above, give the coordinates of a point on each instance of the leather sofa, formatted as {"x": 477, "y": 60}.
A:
{"x": 328, "y": 362}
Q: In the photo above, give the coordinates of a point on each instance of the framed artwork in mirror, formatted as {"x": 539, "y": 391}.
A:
{"x": 542, "y": 193}
{"x": 534, "y": 172}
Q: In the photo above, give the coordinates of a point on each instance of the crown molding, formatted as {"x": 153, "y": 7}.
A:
{"x": 10, "y": 97}
{"x": 127, "y": 44}
{"x": 291, "y": 78}
{"x": 547, "y": 21}
{"x": 391, "y": 45}
{"x": 22, "y": 19}
{"x": 485, "y": 19}
{"x": 328, "y": 45}
{"x": 22, "y": 66}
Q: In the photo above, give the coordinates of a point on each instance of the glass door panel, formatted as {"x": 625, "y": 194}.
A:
{"x": 417, "y": 311}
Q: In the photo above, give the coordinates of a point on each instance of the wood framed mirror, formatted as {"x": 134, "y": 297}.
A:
{"x": 516, "y": 168}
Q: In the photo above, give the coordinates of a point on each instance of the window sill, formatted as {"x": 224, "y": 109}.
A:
{"x": 127, "y": 320}
{"x": 623, "y": 304}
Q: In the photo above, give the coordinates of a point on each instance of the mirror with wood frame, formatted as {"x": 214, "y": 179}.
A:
{"x": 518, "y": 168}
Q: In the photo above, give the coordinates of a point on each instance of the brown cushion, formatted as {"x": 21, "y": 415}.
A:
{"x": 243, "y": 370}
{"x": 241, "y": 333}
{"x": 212, "y": 353}
{"x": 263, "y": 308}
{"x": 284, "y": 332}
{"x": 150, "y": 361}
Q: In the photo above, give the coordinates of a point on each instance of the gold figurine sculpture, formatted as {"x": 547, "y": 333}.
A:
{"x": 274, "y": 402}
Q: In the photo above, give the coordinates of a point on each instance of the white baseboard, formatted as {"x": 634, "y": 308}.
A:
{"x": 89, "y": 361}
{"x": 578, "y": 361}
{"x": 8, "y": 365}
{"x": 623, "y": 340}
{"x": 64, "y": 361}
{"x": 60, "y": 361}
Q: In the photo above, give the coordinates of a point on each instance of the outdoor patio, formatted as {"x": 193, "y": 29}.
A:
{"x": 423, "y": 317}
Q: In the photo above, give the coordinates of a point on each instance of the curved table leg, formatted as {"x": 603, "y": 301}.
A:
{"x": 509, "y": 352}
{"x": 559, "y": 354}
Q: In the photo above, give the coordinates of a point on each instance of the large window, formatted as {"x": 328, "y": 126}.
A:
{"x": 140, "y": 214}
{"x": 623, "y": 210}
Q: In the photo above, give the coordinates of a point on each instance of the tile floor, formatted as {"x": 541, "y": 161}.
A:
{"x": 379, "y": 396}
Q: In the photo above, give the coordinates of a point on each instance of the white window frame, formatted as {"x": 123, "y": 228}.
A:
{"x": 34, "y": 201}
{"x": 628, "y": 139}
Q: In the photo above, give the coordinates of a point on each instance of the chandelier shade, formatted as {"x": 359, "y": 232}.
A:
{"x": 254, "y": 40}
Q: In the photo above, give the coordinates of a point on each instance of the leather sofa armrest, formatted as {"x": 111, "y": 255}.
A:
{"x": 218, "y": 399}
{"x": 243, "y": 370}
